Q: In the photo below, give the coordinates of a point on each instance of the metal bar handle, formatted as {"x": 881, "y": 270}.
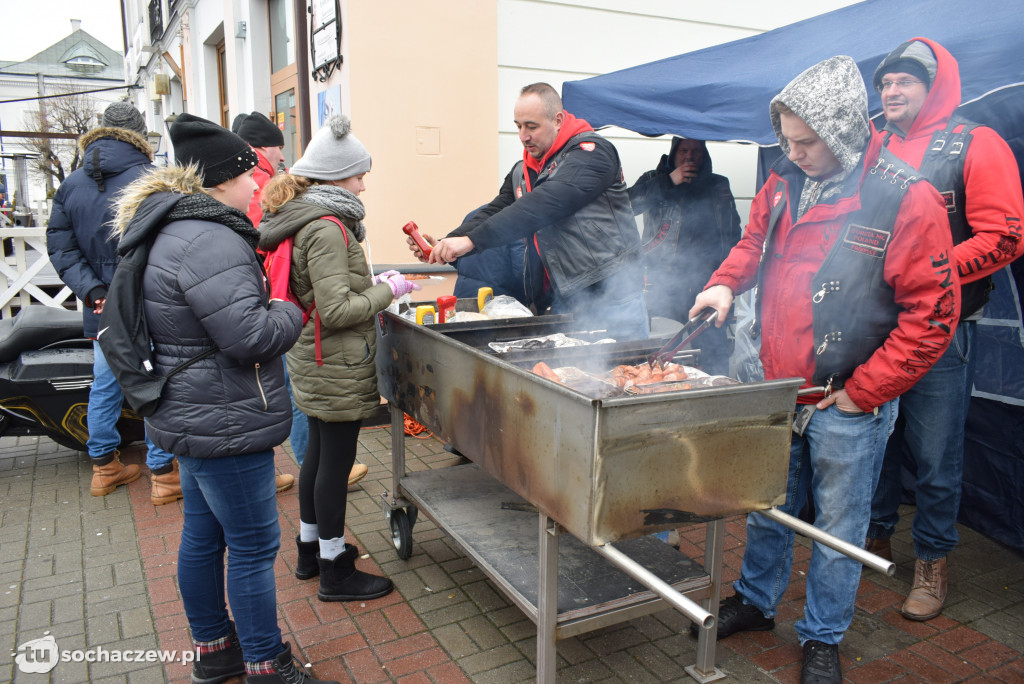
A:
{"x": 689, "y": 608}
{"x": 847, "y": 549}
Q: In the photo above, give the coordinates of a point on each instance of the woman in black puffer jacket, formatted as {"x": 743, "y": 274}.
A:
{"x": 203, "y": 288}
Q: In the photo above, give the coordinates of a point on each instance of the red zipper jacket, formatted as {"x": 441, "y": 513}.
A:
{"x": 994, "y": 205}
{"x": 262, "y": 175}
{"x": 917, "y": 268}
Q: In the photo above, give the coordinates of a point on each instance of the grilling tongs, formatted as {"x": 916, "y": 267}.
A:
{"x": 693, "y": 327}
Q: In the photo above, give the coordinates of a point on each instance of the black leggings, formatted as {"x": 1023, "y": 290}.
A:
{"x": 323, "y": 479}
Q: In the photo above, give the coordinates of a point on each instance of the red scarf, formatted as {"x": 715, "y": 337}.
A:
{"x": 570, "y": 126}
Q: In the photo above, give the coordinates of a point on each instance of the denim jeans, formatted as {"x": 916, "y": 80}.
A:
{"x": 299, "y": 436}
{"x": 231, "y": 502}
{"x": 837, "y": 459}
{"x": 105, "y": 399}
{"x": 621, "y": 310}
{"x": 930, "y": 435}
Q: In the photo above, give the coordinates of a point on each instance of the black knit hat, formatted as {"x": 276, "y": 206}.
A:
{"x": 220, "y": 154}
{"x": 913, "y": 57}
{"x": 259, "y": 131}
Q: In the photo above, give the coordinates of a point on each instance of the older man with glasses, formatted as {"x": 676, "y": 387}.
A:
{"x": 976, "y": 174}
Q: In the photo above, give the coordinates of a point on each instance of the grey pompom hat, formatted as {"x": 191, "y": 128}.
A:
{"x": 334, "y": 153}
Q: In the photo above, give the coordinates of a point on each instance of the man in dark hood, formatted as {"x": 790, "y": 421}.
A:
{"x": 975, "y": 172}
{"x": 690, "y": 224}
{"x": 849, "y": 261}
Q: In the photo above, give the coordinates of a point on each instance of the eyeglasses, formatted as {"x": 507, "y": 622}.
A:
{"x": 903, "y": 85}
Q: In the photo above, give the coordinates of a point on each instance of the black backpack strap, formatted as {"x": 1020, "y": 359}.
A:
{"x": 185, "y": 364}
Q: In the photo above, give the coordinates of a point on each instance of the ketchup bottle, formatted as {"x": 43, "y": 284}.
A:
{"x": 413, "y": 231}
{"x": 445, "y": 308}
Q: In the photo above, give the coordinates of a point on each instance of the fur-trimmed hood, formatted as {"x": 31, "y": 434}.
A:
{"x": 144, "y": 204}
{"x": 114, "y": 133}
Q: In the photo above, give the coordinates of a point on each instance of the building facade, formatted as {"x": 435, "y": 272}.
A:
{"x": 429, "y": 87}
{"x": 40, "y": 85}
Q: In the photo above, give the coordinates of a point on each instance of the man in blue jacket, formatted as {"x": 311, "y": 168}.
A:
{"x": 80, "y": 248}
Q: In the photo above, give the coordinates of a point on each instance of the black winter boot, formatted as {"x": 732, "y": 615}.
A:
{"x": 287, "y": 670}
{"x": 340, "y": 581}
{"x": 220, "y": 666}
{"x": 307, "y": 567}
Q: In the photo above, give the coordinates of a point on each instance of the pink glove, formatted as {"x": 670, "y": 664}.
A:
{"x": 383, "y": 277}
{"x": 399, "y": 285}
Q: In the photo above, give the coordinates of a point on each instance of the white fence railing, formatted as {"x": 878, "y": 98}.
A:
{"x": 25, "y": 269}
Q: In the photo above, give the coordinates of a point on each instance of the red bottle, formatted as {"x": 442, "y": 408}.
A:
{"x": 445, "y": 308}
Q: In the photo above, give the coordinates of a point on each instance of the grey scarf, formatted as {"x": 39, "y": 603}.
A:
{"x": 339, "y": 202}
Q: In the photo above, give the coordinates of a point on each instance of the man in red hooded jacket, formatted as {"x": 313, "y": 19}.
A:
{"x": 976, "y": 174}
{"x": 267, "y": 141}
{"x": 854, "y": 293}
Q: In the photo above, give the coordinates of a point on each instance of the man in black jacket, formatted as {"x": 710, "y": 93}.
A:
{"x": 568, "y": 198}
{"x": 78, "y": 241}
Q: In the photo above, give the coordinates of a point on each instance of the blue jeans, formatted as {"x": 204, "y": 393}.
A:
{"x": 837, "y": 459}
{"x": 299, "y": 436}
{"x": 613, "y": 304}
{"x": 930, "y": 435}
{"x": 231, "y": 502}
{"x": 105, "y": 399}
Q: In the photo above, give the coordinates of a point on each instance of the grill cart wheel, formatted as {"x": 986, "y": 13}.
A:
{"x": 401, "y": 531}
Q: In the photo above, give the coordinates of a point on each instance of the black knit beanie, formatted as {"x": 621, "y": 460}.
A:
{"x": 905, "y": 66}
{"x": 259, "y": 131}
{"x": 220, "y": 154}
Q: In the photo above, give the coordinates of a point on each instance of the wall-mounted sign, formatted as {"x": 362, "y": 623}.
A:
{"x": 325, "y": 38}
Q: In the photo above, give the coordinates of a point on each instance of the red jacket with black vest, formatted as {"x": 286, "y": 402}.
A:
{"x": 917, "y": 268}
{"x": 985, "y": 204}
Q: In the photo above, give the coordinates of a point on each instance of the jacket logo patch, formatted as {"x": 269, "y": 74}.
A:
{"x": 777, "y": 199}
{"x": 949, "y": 197}
{"x": 519, "y": 192}
{"x": 587, "y": 146}
{"x": 869, "y": 241}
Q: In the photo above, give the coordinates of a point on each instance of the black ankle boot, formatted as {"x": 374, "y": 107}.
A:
{"x": 307, "y": 567}
{"x": 220, "y": 666}
{"x": 340, "y": 581}
{"x": 287, "y": 670}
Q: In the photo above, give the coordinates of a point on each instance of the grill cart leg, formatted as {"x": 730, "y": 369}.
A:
{"x": 400, "y": 513}
{"x": 547, "y": 600}
{"x": 714, "y": 547}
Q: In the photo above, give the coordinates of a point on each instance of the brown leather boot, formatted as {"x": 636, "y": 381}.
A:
{"x": 107, "y": 478}
{"x": 928, "y": 594}
{"x": 284, "y": 481}
{"x": 357, "y": 473}
{"x": 879, "y": 547}
{"x": 166, "y": 488}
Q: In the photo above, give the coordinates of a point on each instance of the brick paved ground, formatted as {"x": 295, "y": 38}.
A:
{"x": 101, "y": 572}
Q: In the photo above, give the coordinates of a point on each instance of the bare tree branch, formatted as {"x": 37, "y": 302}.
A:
{"x": 72, "y": 112}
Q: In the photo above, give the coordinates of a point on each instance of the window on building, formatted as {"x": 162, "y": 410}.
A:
{"x": 222, "y": 85}
{"x": 282, "y": 34}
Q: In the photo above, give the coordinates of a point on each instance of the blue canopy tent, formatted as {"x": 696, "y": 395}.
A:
{"x": 722, "y": 93}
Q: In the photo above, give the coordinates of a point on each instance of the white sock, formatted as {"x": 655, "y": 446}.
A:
{"x": 308, "y": 532}
{"x": 332, "y": 548}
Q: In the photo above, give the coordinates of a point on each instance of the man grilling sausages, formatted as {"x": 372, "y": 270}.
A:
{"x": 850, "y": 258}
{"x": 567, "y": 198}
